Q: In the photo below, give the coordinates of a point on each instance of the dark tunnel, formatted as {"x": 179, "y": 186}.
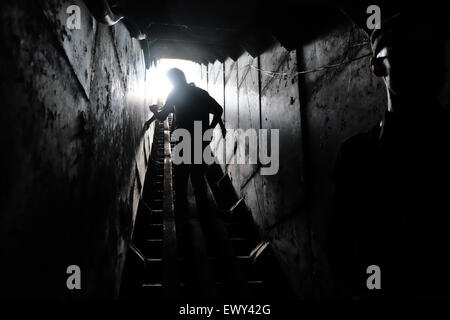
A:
{"x": 332, "y": 170}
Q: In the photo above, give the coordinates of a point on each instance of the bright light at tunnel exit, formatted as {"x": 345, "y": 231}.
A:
{"x": 160, "y": 85}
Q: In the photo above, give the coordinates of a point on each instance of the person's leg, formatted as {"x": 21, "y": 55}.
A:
{"x": 181, "y": 206}
{"x": 205, "y": 207}
{"x": 200, "y": 188}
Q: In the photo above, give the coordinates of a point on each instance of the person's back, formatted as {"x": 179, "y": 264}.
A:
{"x": 190, "y": 104}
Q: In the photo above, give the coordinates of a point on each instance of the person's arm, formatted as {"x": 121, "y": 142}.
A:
{"x": 148, "y": 123}
{"x": 169, "y": 107}
{"x": 217, "y": 111}
{"x": 222, "y": 128}
{"x": 162, "y": 114}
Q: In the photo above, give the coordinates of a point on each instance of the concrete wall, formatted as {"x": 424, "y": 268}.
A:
{"x": 73, "y": 153}
{"x": 314, "y": 112}
{"x": 256, "y": 100}
{"x": 337, "y": 104}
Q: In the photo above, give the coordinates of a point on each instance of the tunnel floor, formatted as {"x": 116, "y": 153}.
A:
{"x": 221, "y": 257}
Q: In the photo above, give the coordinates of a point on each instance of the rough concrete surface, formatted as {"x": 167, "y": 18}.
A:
{"x": 74, "y": 102}
{"x": 314, "y": 112}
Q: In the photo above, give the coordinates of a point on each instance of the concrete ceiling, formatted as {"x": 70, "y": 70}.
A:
{"x": 209, "y": 30}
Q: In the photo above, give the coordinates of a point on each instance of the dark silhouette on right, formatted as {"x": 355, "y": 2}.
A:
{"x": 392, "y": 196}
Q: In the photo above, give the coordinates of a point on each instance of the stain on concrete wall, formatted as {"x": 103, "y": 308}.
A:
{"x": 74, "y": 103}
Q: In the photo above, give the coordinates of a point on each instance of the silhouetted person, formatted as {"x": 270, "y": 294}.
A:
{"x": 189, "y": 104}
{"x": 392, "y": 194}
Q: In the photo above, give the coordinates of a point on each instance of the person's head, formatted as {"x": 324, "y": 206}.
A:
{"x": 176, "y": 77}
{"x": 391, "y": 55}
{"x": 406, "y": 54}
